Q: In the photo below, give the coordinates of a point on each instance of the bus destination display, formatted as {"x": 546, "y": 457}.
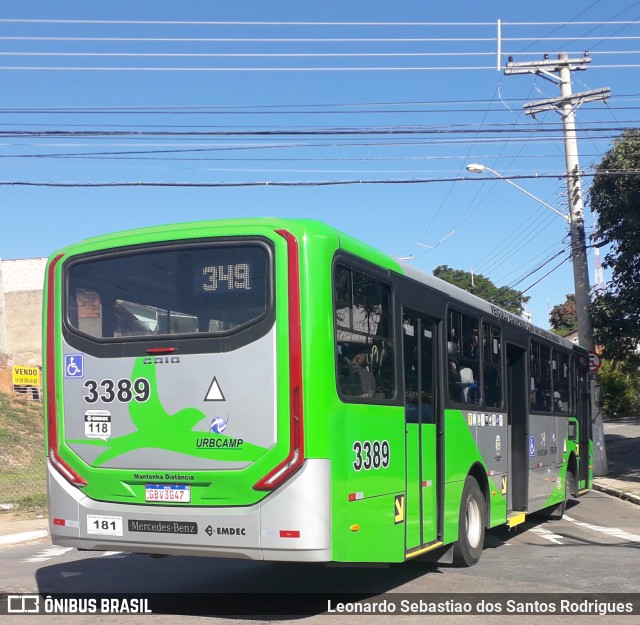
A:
{"x": 236, "y": 276}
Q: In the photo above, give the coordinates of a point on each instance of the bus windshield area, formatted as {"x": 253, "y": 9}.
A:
{"x": 212, "y": 289}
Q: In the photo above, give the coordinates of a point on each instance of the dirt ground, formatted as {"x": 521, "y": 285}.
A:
{"x": 10, "y": 516}
{"x": 6, "y": 382}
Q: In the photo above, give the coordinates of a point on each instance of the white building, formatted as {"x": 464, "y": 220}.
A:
{"x": 21, "y": 289}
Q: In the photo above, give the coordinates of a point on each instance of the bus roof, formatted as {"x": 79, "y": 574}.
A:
{"x": 474, "y": 301}
{"x": 198, "y": 229}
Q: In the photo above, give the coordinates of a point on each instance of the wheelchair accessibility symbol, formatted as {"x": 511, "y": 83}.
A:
{"x": 73, "y": 366}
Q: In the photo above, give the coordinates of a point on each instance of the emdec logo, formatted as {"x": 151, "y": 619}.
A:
{"x": 226, "y": 531}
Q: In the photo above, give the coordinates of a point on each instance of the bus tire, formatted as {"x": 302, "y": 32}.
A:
{"x": 471, "y": 525}
{"x": 557, "y": 512}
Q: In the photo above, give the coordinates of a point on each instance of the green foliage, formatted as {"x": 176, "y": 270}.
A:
{"x": 509, "y": 299}
{"x": 563, "y": 318}
{"x": 615, "y": 196}
{"x": 621, "y": 384}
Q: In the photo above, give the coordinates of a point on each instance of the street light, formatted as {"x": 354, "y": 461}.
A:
{"x": 581, "y": 286}
{"x": 477, "y": 168}
{"x": 578, "y": 257}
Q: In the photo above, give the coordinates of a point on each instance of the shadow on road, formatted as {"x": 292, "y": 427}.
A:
{"x": 623, "y": 456}
{"x": 230, "y": 588}
{"x": 195, "y": 586}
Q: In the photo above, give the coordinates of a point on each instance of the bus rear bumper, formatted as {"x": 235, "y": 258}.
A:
{"x": 292, "y": 524}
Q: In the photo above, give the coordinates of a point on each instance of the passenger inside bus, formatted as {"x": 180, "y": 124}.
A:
{"x": 468, "y": 385}
{"x": 463, "y": 387}
{"x": 541, "y": 399}
{"x": 356, "y": 379}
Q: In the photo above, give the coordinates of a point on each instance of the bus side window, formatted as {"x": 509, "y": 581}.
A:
{"x": 540, "y": 398}
{"x": 492, "y": 361}
{"x": 561, "y": 378}
{"x": 365, "y": 367}
{"x": 464, "y": 358}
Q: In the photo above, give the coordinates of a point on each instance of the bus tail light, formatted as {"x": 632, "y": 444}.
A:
{"x": 52, "y": 425}
{"x": 289, "y": 533}
{"x": 161, "y": 350}
{"x": 295, "y": 458}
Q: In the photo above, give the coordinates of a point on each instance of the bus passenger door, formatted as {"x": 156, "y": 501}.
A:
{"x": 421, "y": 514}
{"x": 518, "y": 421}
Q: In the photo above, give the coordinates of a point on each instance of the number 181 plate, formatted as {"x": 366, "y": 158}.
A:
{"x": 169, "y": 493}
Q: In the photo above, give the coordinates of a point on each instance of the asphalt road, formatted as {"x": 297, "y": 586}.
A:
{"x": 622, "y": 438}
{"x": 594, "y": 549}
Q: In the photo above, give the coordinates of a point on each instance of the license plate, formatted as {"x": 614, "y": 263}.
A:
{"x": 172, "y": 493}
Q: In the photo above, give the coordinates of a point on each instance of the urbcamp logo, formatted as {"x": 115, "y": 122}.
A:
{"x": 218, "y": 425}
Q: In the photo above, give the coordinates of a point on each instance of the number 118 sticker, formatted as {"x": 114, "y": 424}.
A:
{"x": 97, "y": 424}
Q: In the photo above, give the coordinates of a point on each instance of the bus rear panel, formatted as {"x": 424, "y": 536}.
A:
{"x": 174, "y": 399}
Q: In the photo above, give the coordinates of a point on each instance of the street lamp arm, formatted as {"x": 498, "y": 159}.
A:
{"x": 476, "y": 168}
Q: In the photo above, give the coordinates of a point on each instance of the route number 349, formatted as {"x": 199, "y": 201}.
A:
{"x": 371, "y": 455}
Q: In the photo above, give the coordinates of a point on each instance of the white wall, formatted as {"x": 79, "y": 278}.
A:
{"x": 21, "y": 288}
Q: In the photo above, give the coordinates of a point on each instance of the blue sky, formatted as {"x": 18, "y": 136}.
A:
{"x": 403, "y": 94}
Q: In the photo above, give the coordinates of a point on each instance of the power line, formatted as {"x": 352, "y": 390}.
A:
{"x": 299, "y": 105}
{"x": 562, "y": 262}
{"x": 180, "y": 55}
{"x": 281, "y": 183}
{"x": 303, "y": 23}
{"x": 520, "y": 238}
{"x": 448, "y": 68}
{"x": 454, "y": 129}
{"x": 251, "y": 69}
{"x": 545, "y": 253}
{"x": 537, "y": 268}
{"x": 236, "y": 23}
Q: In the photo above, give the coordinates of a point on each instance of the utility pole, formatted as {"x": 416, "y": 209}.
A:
{"x": 559, "y": 72}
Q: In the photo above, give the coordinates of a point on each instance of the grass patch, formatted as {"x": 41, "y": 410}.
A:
{"x": 22, "y": 455}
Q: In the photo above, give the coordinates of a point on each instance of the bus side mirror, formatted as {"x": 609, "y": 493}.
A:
{"x": 598, "y": 395}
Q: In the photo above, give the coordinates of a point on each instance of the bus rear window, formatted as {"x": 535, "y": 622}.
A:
{"x": 210, "y": 289}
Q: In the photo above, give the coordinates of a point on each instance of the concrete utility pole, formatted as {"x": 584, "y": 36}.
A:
{"x": 566, "y": 105}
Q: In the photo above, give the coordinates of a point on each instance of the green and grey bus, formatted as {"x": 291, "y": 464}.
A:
{"x": 277, "y": 390}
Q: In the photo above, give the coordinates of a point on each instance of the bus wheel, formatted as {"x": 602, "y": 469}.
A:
{"x": 471, "y": 525}
{"x": 557, "y": 512}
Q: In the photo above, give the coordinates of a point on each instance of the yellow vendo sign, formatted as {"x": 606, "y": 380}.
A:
{"x": 25, "y": 376}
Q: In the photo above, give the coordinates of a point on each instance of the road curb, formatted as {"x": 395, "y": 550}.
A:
{"x": 615, "y": 492}
{"x": 23, "y": 537}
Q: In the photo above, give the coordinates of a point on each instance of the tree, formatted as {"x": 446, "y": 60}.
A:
{"x": 621, "y": 385}
{"x": 615, "y": 196}
{"x": 509, "y": 299}
{"x": 563, "y": 318}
